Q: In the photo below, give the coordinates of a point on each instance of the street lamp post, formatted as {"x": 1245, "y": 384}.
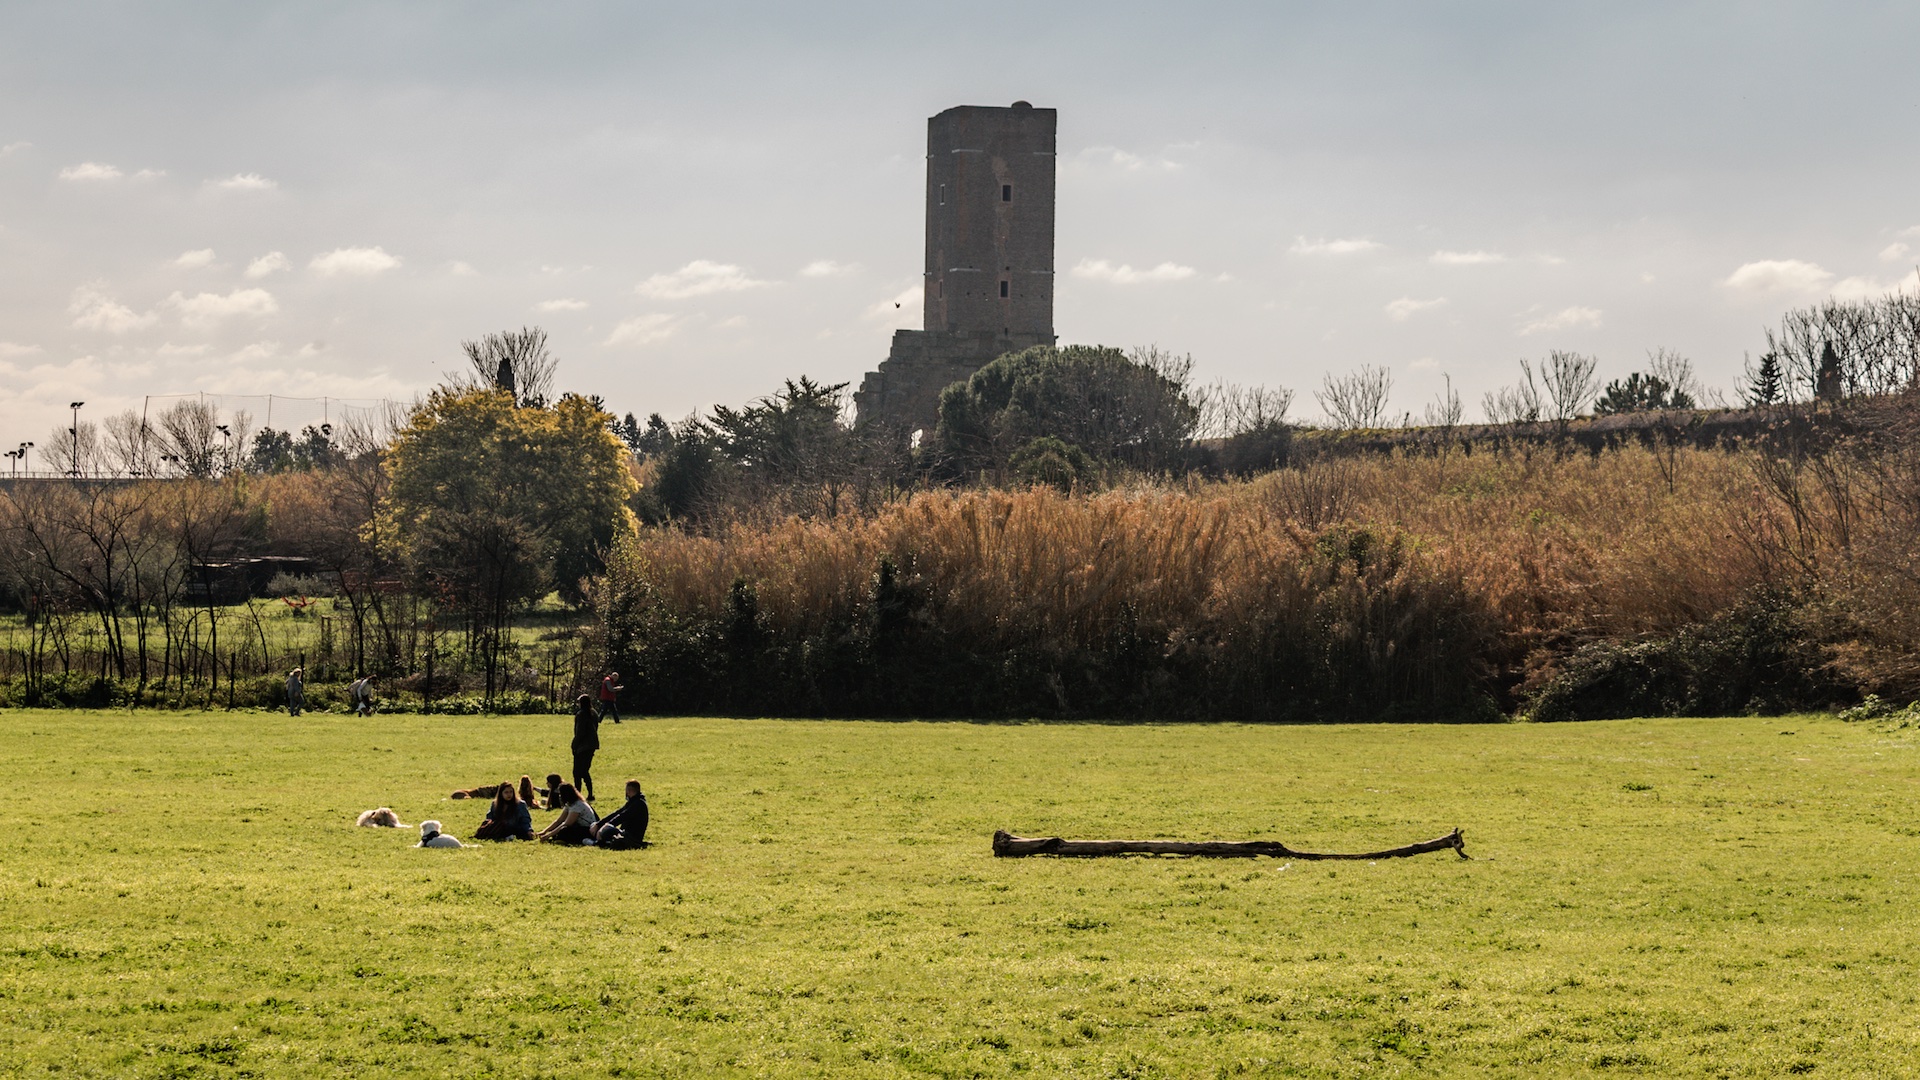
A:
{"x": 226, "y": 444}
{"x": 76, "y": 436}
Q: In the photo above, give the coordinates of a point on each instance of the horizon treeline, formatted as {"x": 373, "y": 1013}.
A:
{"x": 1084, "y": 532}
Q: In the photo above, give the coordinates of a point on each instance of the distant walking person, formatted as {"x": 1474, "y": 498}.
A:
{"x": 296, "y": 692}
{"x": 362, "y": 691}
{"x": 609, "y": 699}
{"x": 586, "y": 739}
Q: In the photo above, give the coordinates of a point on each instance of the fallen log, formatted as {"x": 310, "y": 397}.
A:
{"x": 1008, "y": 846}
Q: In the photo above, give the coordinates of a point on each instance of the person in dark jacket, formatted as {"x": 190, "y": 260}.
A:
{"x": 627, "y": 826}
{"x": 507, "y": 818}
{"x": 586, "y": 739}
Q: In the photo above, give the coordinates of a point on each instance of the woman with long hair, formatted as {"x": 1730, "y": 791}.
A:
{"x": 507, "y": 818}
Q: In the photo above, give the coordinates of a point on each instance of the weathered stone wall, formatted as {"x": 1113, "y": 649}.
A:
{"x": 905, "y": 391}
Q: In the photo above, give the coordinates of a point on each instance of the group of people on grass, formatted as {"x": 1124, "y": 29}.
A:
{"x": 510, "y": 814}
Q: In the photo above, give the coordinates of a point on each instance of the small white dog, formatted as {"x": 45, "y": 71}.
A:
{"x": 431, "y": 836}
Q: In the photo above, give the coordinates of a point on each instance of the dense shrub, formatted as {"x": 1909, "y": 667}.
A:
{"x": 1758, "y": 658}
{"x": 1038, "y": 604}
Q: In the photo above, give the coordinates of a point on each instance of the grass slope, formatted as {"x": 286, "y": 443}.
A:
{"x": 184, "y": 895}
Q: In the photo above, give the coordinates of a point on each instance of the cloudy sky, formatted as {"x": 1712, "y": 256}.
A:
{"x": 697, "y": 200}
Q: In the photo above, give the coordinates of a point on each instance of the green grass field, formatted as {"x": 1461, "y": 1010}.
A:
{"x": 184, "y": 894}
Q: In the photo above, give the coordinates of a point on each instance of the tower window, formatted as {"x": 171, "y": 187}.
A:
{"x": 943, "y": 194}
{"x": 1003, "y": 290}
{"x": 1006, "y": 192}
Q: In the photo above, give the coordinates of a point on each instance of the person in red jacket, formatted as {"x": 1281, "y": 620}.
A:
{"x": 609, "y": 696}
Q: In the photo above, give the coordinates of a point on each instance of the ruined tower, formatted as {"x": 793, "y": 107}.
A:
{"x": 989, "y": 274}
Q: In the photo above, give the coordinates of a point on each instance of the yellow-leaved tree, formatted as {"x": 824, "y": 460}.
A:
{"x": 490, "y": 504}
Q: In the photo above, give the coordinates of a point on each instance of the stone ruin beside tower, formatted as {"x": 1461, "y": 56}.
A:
{"x": 989, "y": 274}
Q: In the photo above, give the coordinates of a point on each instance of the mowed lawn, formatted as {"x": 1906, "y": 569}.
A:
{"x": 184, "y": 894}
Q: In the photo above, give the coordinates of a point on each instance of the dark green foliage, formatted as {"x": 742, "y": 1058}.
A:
{"x": 1642, "y": 393}
{"x": 1109, "y": 405}
{"x": 1756, "y": 659}
{"x": 1765, "y": 384}
{"x": 685, "y": 464}
{"x": 278, "y": 451}
{"x": 1047, "y": 460}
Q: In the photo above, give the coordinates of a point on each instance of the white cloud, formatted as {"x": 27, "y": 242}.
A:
{"x": 1352, "y": 246}
{"x": 643, "y": 330}
{"x": 568, "y": 304}
{"x": 313, "y": 348}
{"x": 170, "y": 349}
{"x": 1407, "y": 307}
{"x": 354, "y": 261}
{"x": 1102, "y": 270}
{"x": 193, "y": 260}
{"x": 1425, "y": 363}
{"x": 827, "y": 268}
{"x": 1894, "y": 252}
{"x": 90, "y": 170}
{"x": 207, "y": 309}
{"x": 1911, "y": 231}
{"x": 1466, "y": 258}
{"x": 1769, "y": 276}
{"x": 270, "y": 263}
{"x": 149, "y": 174}
{"x": 460, "y": 269}
{"x": 701, "y": 277}
{"x": 13, "y": 147}
{"x": 1564, "y": 319}
{"x": 93, "y": 309}
{"x": 8, "y": 348}
{"x": 1125, "y": 161}
{"x": 256, "y": 352}
{"x": 245, "y": 182}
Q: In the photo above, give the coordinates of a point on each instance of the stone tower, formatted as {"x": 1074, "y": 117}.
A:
{"x": 989, "y": 276}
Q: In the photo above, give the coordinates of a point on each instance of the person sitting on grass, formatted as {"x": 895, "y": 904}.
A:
{"x": 431, "y": 836}
{"x": 627, "y": 826}
{"x": 575, "y": 823}
{"x": 552, "y": 793}
{"x": 507, "y": 818}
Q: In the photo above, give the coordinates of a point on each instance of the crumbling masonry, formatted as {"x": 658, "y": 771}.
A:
{"x": 989, "y": 277}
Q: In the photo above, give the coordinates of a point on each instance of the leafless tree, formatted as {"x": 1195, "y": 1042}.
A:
{"x": 1445, "y": 410}
{"x": 1229, "y": 409}
{"x": 1356, "y": 400}
{"x": 73, "y": 451}
{"x": 515, "y": 360}
{"x": 1521, "y": 403}
{"x": 1567, "y": 378}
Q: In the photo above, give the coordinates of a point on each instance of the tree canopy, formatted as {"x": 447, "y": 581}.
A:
{"x": 503, "y": 499}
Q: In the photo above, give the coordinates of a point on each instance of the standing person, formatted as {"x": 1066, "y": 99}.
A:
{"x": 362, "y": 691}
{"x": 586, "y": 739}
{"x": 296, "y": 692}
{"x": 609, "y": 699}
{"x": 575, "y": 823}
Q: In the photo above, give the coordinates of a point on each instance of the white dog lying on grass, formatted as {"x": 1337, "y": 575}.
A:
{"x": 431, "y": 836}
{"x": 383, "y": 818}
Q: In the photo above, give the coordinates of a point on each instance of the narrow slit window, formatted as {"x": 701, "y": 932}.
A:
{"x": 1003, "y": 290}
{"x": 943, "y": 194}
{"x": 1006, "y": 192}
